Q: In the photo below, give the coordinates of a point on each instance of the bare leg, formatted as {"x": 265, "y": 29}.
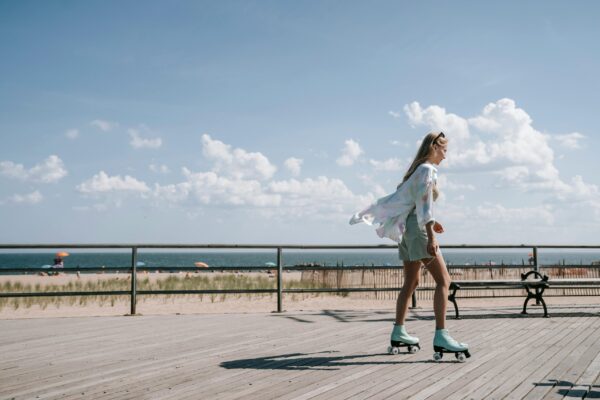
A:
{"x": 437, "y": 268}
{"x": 412, "y": 270}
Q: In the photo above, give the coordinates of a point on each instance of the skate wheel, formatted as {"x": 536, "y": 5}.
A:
{"x": 437, "y": 356}
{"x": 461, "y": 357}
{"x": 395, "y": 350}
{"x": 390, "y": 349}
{"x": 413, "y": 349}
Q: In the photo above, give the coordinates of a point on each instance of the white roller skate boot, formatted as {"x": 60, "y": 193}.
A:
{"x": 402, "y": 339}
{"x": 443, "y": 343}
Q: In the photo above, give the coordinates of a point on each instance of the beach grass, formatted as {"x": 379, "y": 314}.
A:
{"x": 309, "y": 279}
{"x": 171, "y": 282}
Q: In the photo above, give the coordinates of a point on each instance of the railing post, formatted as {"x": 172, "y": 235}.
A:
{"x": 414, "y": 299}
{"x": 279, "y": 280}
{"x": 536, "y": 268}
{"x": 133, "y": 279}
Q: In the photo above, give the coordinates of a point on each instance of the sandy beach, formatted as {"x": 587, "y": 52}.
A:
{"x": 230, "y": 303}
{"x": 64, "y": 278}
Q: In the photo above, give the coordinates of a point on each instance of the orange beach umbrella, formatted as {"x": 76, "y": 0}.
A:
{"x": 62, "y": 254}
{"x": 201, "y": 264}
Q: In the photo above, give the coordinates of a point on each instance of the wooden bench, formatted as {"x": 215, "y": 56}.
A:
{"x": 535, "y": 288}
{"x": 583, "y": 283}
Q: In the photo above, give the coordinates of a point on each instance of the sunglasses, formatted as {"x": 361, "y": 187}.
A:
{"x": 441, "y": 134}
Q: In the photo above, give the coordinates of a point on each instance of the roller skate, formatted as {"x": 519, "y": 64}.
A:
{"x": 443, "y": 343}
{"x": 402, "y": 339}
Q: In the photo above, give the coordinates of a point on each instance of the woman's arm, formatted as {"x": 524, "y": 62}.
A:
{"x": 424, "y": 196}
{"x": 432, "y": 244}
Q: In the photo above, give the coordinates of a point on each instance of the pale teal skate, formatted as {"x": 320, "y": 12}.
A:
{"x": 443, "y": 343}
{"x": 400, "y": 338}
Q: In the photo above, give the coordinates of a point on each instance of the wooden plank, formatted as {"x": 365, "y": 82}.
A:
{"x": 346, "y": 358}
{"x": 521, "y": 384}
{"x": 230, "y": 344}
{"x": 383, "y": 363}
{"x": 389, "y": 378}
{"x": 245, "y": 378}
{"x": 575, "y": 352}
{"x": 535, "y": 371}
{"x": 213, "y": 382}
{"x": 589, "y": 380}
{"x": 514, "y": 352}
{"x": 184, "y": 357}
{"x": 428, "y": 382}
{"x": 295, "y": 374}
{"x": 579, "y": 387}
{"x": 114, "y": 364}
{"x": 395, "y": 379}
{"x": 503, "y": 380}
{"x": 217, "y": 378}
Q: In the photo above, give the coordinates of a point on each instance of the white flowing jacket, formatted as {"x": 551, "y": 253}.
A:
{"x": 391, "y": 211}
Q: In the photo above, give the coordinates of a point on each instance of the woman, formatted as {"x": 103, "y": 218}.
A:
{"x": 406, "y": 216}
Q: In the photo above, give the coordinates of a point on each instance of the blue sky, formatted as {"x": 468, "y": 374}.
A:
{"x": 273, "y": 122}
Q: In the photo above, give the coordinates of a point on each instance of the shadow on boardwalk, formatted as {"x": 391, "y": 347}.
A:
{"x": 300, "y": 361}
{"x": 301, "y": 355}
{"x": 345, "y": 316}
{"x": 569, "y": 389}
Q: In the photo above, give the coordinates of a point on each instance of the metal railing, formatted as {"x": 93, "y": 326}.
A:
{"x": 134, "y": 268}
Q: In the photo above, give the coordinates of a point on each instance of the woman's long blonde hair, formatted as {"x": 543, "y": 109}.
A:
{"x": 424, "y": 150}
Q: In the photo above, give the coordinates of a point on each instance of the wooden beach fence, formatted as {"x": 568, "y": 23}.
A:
{"x": 380, "y": 282}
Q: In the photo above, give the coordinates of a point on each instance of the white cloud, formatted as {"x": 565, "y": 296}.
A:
{"x": 446, "y": 184}
{"x": 319, "y": 188}
{"x": 236, "y": 163}
{"x": 99, "y": 207}
{"x": 293, "y": 165}
{"x": 162, "y": 169}
{"x": 569, "y": 140}
{"x": 391, "y": 164}
{"x": 50, "y": 170}
{"x": 138, "y": 142}
{"x": 509, "y": 145}
{"x": 395, "y": 114}
{"x": 350, "y": 153}
{"x": 512, "y": 138}
{"x": 173, "y": 193}
{"x": 539, "y": 215}
{"x": 104, "y": 126}
{"x": 320, "y": 198}
{"x": 436, "y": 118}
{"x": 208, "y": 188}
{"x": 399, "y": 143}
{"x": 241, "y": 180}
{"x": 31, "y": 198}
{"x": 370, "y": 182}
{"x": 578, "y": 190}
{"x": 12, "y": 170}
{"x": 72, "y": 133}
{"x": 102, "y": 183}
{"x": 502, "y": 140}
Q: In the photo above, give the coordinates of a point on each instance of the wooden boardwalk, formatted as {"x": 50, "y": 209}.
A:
{"x": 302, "y": 355}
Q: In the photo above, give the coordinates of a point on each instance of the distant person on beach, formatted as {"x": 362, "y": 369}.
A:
{"x": 58, "y": 263}
{"x": 407, "y": 217}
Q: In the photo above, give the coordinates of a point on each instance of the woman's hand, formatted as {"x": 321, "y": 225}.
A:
{"x": 437, "y": 227}
{"x": 432, "y": 246}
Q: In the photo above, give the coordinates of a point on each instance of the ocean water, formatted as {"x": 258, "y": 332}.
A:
{"x": 236, "y": 258}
